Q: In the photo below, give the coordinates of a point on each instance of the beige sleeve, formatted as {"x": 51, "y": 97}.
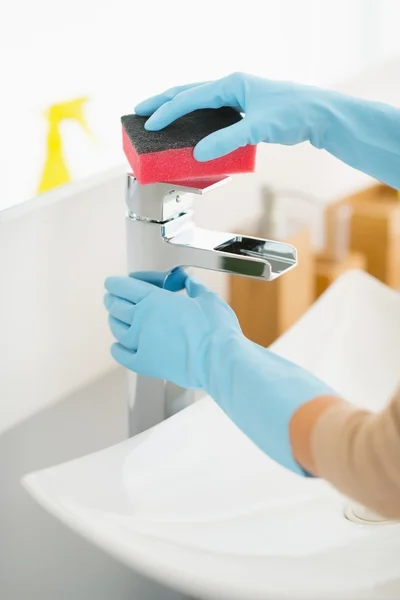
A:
{"x": 359, "y": 453}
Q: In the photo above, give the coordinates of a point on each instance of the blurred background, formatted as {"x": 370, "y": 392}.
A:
{"x": 112, "y": 55}
{"x": 68, "y": 71}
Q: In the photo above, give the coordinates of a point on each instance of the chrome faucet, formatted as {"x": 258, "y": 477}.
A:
{"x": 162, "y": 236}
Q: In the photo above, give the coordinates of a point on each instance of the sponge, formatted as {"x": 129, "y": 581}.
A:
{"x": 167, "y": 156}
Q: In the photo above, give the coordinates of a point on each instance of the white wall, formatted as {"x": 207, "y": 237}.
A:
{"x": 121, "y": 51}
{"x": 53, "y": 261}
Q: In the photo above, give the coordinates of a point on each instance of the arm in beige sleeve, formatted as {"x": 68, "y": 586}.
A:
{"x": 355, "y": 450}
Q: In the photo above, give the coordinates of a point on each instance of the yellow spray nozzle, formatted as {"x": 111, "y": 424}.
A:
{"x": 71, "y": 109}
{"x": 55, "y": 171}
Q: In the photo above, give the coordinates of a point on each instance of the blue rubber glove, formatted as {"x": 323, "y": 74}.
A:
{"x": 195, "y": 341}
{"x": 364, "y": 135}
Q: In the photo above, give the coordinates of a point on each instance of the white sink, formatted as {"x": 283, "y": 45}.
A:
{"x": 193, "y": 504}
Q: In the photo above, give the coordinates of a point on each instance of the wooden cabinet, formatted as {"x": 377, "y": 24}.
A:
{"x": 374, "y": 231}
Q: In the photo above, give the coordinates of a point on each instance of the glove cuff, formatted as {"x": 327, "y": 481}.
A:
{"x": 260, "y": 392}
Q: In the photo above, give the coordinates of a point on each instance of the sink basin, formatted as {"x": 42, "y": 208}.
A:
{"x": 195, "y": 505}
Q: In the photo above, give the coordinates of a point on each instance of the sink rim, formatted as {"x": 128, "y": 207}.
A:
{"x": 200, "y": 570}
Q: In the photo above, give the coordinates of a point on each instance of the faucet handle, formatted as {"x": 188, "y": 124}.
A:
{"x": 160, "y": 202}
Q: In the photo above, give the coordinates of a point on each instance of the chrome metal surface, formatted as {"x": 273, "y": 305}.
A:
{"x": 161, "y": 235}
{"x": 162, "y": 201}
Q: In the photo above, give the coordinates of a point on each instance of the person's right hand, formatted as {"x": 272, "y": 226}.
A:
{"x": 361, "y": 133}
{"x": 275, "y": 111}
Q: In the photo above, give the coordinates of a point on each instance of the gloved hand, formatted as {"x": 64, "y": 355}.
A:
{"x": 195, "y": 341}
{"x": 163, "y": 334}
{"x": 364, "y": 135}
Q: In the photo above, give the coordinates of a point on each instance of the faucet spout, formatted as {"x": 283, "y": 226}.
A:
{"x": 192, "y": 246}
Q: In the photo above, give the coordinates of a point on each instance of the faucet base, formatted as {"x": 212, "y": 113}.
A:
{"x": 146, "y": 403}
{"x": 154, "y": 400}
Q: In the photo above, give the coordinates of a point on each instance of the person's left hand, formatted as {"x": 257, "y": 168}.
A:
{"x": 162, "y": 334}
{"x": 195, "y": 341}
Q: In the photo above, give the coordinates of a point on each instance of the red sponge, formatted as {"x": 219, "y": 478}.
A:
{"x": 167, "y": 155}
